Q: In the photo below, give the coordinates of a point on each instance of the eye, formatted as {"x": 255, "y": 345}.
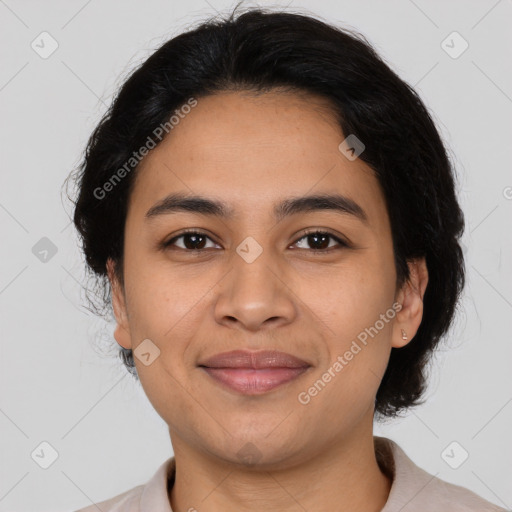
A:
{"x": 197, "y": 241}
{"x": 192, "y": 241}
{"x": 320, "y": 240}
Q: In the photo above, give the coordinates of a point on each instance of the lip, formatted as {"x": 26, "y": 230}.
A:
{"x": 254, "y": 373}
{"x": 255, "y": 360}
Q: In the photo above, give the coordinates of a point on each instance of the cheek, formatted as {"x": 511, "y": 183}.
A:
{"x": 351, "y": 298}
{"x": 160, "y": 297}
{"x": 164, "y": 311}
{"x": 355, "y": 312}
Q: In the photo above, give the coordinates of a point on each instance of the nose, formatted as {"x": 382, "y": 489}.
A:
{"x": 255, "y": 296}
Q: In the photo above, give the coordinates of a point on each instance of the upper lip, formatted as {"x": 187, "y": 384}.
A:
{"x": 255, "y": 360}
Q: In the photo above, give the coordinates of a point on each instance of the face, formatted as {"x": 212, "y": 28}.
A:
{"x": 317, "y": 283}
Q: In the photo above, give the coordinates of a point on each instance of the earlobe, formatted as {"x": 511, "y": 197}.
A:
{"x": 408, "y": 319}
{"x": 121, "y": 331}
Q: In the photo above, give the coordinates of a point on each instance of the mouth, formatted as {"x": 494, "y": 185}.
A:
{"x": 254, "y": 373}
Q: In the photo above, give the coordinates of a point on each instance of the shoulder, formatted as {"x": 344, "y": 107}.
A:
{"x": 413, "y": 489}
{"x": 459, "y": 498}
{"x": 127, "y": 502}
{"x": 149, "y": 497}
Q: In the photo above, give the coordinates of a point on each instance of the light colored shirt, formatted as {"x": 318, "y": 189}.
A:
{"x": 412, "y": 489}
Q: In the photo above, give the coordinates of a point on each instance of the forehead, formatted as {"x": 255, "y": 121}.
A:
{"x": 252, "y": 150}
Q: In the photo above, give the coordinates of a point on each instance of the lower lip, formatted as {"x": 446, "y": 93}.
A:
{"x": 250, "y": 381}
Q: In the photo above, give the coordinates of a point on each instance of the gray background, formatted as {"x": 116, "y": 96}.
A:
{"x": 59, "y": 381}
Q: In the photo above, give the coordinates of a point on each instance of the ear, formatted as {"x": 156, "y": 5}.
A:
{"x": 410, "y": 296}
{"x": 122, "y": 331}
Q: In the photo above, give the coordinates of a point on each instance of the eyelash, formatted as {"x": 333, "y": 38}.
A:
{"x": 342, "y": 243}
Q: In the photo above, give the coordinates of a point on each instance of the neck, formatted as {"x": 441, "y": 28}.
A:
{"x": 344, "y": 477}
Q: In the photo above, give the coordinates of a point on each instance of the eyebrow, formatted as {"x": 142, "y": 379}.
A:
{"x": 179, "y": 202}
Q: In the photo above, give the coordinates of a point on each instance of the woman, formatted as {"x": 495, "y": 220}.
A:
{"x": 275, "y": 213}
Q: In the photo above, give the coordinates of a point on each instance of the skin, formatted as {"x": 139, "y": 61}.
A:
{"x": 251, "y": 152}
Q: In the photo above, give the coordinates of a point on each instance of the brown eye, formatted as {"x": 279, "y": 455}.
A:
{"x": 196, "y": 241}
{"x": 192, "y": 241}
{"x": 321, "y": 241}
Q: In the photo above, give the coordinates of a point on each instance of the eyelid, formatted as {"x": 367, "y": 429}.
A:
{"x": 194, "y": 231}
{"x": 342, "y": 242}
